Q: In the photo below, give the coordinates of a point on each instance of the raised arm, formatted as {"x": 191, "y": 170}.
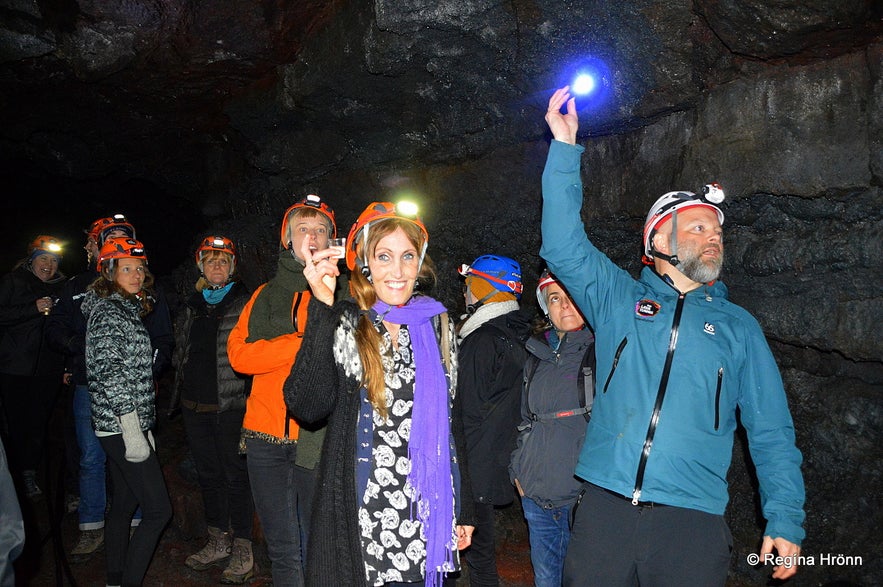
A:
{"x": 563, "y": 126}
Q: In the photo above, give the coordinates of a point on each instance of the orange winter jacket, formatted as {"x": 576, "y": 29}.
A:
{"x": 269, "y": 362}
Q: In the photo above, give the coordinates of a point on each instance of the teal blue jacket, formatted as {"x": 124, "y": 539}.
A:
{"x": 715, "y": 357}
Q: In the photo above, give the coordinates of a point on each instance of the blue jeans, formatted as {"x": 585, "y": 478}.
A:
{"x": 549, "y": 535}
{"x": 283, "y": 494}
{"x": 93, "y": 496}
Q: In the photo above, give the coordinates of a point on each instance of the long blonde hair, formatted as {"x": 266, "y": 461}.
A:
{"x": 367, "y": 337}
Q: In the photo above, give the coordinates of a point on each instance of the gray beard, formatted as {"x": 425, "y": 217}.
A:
{"x": 695, "y": 269}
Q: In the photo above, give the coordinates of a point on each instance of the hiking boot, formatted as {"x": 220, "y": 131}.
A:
{"x": 32, "y": 491}
{"x": 90, "y": 542}
{"x": 216, "y": 549}
{"x": 241, "y": 566}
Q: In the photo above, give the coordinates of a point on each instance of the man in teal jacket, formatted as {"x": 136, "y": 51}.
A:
{"x": 675, "y": 359}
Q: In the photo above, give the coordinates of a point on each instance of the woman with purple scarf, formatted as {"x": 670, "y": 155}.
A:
{"x": 382, "y": 369}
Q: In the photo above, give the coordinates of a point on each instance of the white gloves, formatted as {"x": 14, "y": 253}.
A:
{"x": 137, "y": 448}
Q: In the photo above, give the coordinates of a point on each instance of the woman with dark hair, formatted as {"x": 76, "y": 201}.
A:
{"x": 213, "y": 406}
{"x": 556, "y": 404}
{"x": 120, "y": 375}
{"x": 382, "y": 369}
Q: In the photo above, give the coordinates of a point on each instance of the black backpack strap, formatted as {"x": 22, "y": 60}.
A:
{"x": 586, "y": 380}
{"x": 530, "y": 367}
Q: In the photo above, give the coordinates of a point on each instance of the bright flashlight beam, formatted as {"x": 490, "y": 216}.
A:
{"x": 583, "y": 84}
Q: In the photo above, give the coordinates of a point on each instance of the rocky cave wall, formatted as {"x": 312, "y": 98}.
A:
{"x": 198, "y": 117}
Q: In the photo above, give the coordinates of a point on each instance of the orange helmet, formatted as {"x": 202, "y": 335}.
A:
{"x": 45, "y": 244}
{"x": 99, "y": 229}
{"x": 311, "y": 201}
{"x": 121, "y": 248}
{"x": 215, "y": 243}
{"x": 377, "y": 211}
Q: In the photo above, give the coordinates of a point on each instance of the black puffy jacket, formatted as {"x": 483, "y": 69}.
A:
{"x": 23, "y": 348}
{"x": 229, "y": 388}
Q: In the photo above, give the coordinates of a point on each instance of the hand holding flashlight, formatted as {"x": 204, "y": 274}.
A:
{"x": 563, "y": 126}
{"x": 44, "y": 305}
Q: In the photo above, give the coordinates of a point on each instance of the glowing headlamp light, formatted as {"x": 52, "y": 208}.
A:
{"x": 406, "y": 209}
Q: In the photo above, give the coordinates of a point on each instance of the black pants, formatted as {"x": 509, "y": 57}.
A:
{"x": 27, "y": 404}
{"x": 213, "y": 438}
{"x": 481, "y": 557}
{"x": 616, "y": 544}
{"x": 134, "y": 485}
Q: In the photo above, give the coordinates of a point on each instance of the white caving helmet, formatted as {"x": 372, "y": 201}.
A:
{"x": 668, "y": 206}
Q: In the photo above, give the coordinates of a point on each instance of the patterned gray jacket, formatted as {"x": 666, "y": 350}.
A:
{"x": 118, "y": 362}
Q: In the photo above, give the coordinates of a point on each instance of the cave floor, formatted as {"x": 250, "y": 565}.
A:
{"x": 51, "y": 532}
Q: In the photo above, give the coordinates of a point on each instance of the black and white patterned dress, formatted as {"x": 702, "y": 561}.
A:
{"x": 394, "y": 546}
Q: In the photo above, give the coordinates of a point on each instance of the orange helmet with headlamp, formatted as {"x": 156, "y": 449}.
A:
{"x": 101, "y": 228}
{"x": 216, "y": 244}
{"x": 120, "y": 248}
{"x": 310, "y": 202}
{"x": 377, "y": 212}
{"x": 45, "y": 243}
{"x": 221, "y": 244}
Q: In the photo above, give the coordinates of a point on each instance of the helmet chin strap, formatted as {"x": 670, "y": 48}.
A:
{"x": 673, "y": 243}
{"x": 472, "y": 308}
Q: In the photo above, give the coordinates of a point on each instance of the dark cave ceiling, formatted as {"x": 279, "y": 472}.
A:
{"x": 171, "y": 110}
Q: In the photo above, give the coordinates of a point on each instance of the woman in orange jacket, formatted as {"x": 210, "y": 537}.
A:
{"x": 282, "y": 456}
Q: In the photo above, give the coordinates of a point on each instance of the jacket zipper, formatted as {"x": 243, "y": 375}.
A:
{"x": 660, "y": 395}
{"x": 619, "y": 350}
{"x": 717, "y": 398}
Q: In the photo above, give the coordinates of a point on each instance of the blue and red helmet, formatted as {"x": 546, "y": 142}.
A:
{"x": 503, "y": 273}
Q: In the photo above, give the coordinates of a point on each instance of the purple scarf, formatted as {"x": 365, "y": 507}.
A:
{"x": 428, "y": 448}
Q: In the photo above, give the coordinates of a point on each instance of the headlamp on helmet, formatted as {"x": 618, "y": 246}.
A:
{"x": 311, "y": 201}
{"x": 45, "y": 243}
{"x": 670, "y": 204}
{"x": 220, "y": 244}
{"x": 378, "y": 212}
{"x": 100, "y": 230}
{"x": 120, "y": 248}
